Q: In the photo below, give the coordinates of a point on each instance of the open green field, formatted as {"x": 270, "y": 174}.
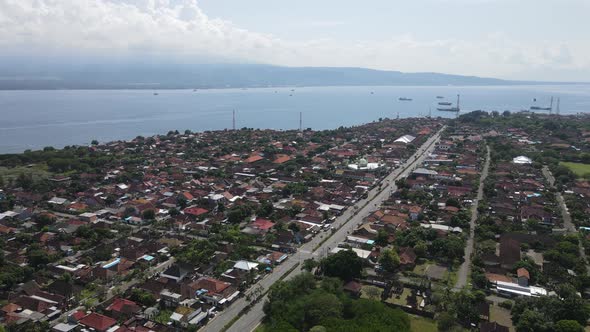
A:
{"x": 578, "y": 168}
{"x": 422, "y": 324}
{"x": 37, "y": 171}
{"x": 371, "y": 292}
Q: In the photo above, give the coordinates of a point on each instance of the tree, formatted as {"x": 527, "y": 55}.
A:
{"x": 532, "y": 321}
{"x": 389, "y": 260}
{"x": 309, "y": 264}
{"x": 36, "y": 256}
{"x": 149, "y": 214}
{"x": 382, "y": 238}
{"x": 344, "y": 264}
{"x": 420, "y": 248}
{"x": 568, "y": 326}
{"x": 145, "y": 298}
{"x": 445, "y": 321}
{"x": 94, "y": 142}
{"x": 265, "y": 209}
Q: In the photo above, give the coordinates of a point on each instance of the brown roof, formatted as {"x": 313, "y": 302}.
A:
{"x": 522, "y": 272}
{"x": 98, "y": 322}
{"x": 509, "y": 251}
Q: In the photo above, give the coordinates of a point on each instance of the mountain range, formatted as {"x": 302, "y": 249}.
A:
{"x": 144, "y": 75}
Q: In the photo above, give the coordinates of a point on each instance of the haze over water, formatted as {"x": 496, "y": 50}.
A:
{"x": 35, "y": 119}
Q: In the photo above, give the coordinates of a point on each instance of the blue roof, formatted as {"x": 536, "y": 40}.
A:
{"x": 147, "y": 257}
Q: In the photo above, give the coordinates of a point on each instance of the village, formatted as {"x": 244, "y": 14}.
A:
{"x": 485, "y": 231}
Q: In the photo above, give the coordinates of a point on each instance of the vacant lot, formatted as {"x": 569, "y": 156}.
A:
{"x": 579, "y": 169}
{"x": 37, "y": 171}
{"x": 502, "y": 316}
{"x": 422, "y": 324}
{"x": 371, "y": 292}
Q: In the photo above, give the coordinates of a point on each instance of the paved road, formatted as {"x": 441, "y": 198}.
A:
{"x": 356, "y": 213}
{"x": 565, "y": 214}
{"x": 465, "y": 268}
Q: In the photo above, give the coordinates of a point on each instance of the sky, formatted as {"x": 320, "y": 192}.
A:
{"x": 512, "y": 39}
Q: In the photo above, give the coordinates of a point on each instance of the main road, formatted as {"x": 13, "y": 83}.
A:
{"x": 319, "y": 246}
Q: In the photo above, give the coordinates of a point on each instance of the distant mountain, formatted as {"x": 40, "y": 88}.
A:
{"x": 132, "y": 75}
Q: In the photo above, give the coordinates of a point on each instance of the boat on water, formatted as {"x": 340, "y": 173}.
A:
{"x": 540, "y": 108}
{"x": 445, "y": 103}
{"x": 404, "y": 99}
{"x": 439, "y": 97}
{"x": 455, "y": 109}
{"x": 155, "y": 93}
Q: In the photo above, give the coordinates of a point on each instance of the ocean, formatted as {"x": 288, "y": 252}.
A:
{"x": 34, "y": 119}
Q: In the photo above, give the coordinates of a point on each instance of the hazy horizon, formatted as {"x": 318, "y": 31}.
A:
{"x": 524, "y": 40}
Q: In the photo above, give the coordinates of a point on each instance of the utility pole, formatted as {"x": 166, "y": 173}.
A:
{"x": 300, "y": 121}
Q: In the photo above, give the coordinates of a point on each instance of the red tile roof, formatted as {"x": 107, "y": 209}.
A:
{"x": 188, "y": 196}
{"x": 195, "y": 211}
{"x": 98, "y": 322}
{"x": 212, "y": 285}
{"x": 124, "y": 306}
{"x": 263, "y": 224}
{"x": 283, "y": 158}
{"x": 253, "y": 159}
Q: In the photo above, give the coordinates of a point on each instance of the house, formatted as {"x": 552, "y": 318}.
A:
{"x": 176, "y": 272}
{"x": 169, "y": 298}
{"x": 407, "y": 257}
{"x": 353, "y": 288}
{"x": 213, "y": 291}
{"x": 523, "y": 276}
{"x": 123, "y": 308}
{"x": 258, "y": 227}
{"x": 245, "y": 265}
{"x": 195, "y": 211}
{"x": 97, "y": 322}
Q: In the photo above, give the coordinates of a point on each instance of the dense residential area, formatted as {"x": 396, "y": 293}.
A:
{"x": 479, "y": 223}
{"x": 166, "y": 232}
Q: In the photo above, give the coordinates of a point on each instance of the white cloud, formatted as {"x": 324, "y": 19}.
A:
{"x": 181, "y": 28}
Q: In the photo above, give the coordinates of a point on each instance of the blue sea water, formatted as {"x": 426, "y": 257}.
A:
{"x": 34, "y": 119}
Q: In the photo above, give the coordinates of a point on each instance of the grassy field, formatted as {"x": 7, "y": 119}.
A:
{"x": 422, "y": 324}
{"x": 371, "y": 292}
{"x": 37, "y": 171}
{"x": 579, "y": 169}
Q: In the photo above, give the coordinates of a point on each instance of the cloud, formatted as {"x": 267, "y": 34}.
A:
{"x": 179, "y": 28}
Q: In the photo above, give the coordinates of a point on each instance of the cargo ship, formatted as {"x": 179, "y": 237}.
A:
{"x": 450, "y": 109}
{"x": 539, "y": 108}
{"x": 404, "y": 99}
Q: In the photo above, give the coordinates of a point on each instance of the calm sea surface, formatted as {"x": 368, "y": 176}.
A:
{"x": 35, "y": 119}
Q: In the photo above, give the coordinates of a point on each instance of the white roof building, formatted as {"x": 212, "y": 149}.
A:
{"x": 364, "y": 254}
{"x": 406, "y": 139}
{"x": 57, "y": 201}
{"x": 522, "y": 160}
{"x": 245, "y": 265}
